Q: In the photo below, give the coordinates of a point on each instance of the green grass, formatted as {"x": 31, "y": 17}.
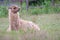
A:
{"x": 49, "y": 24}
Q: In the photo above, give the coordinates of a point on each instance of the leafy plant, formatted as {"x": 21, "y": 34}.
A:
{"x": 3, "y": 11}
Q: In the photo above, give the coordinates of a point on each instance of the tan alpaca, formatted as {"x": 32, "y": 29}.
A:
{"x": 16, "y": 23}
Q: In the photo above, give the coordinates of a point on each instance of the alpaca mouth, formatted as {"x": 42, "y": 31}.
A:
{"x": 15, "y": 12}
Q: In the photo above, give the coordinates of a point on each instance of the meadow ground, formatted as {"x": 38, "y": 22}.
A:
{"x": 48, "y": 23}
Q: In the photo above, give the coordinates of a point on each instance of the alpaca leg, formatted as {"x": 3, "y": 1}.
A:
{"x": 9, "y": 29}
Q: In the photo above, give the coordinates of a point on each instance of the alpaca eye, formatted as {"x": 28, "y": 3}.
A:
{"x": 14, "y": 8}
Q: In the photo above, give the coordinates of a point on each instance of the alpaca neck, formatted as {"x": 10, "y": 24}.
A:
{"x": 14, "y": 20}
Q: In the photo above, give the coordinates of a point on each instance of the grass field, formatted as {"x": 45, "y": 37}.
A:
{"x": 49, "y": 24}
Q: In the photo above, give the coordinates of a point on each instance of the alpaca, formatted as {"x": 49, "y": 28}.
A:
{"x": 16, "y": 23}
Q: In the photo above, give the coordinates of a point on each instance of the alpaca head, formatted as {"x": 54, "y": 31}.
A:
{"x": 14, "y": 8}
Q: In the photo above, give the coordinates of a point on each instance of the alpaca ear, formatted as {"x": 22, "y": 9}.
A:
{"x": 18, "y": 8}
{"x": 9, "y": 8}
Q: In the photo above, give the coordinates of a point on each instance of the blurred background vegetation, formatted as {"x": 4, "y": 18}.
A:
{"x": 34, "y": 7}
